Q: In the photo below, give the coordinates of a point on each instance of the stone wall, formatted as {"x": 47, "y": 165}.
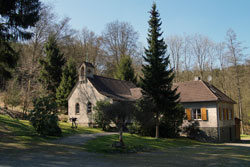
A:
{"x": 82, "y": 94}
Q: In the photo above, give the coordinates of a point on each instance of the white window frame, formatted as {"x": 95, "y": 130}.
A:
{"x": 195, "y": 114}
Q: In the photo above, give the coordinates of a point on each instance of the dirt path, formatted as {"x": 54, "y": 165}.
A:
{"x": 68, "y": 152}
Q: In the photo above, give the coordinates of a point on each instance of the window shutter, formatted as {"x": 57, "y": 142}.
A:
{"x": 232, "y": 114}
{"x": 227, "y": 114}
{"x": 189, "y": 115}
{"x": 204, "y": 114}
{"x": 220, "y": 113}
{"x": 224, "y": 114}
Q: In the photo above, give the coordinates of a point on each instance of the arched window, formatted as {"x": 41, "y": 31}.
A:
{"x": 89, "y": 108}
{"x": 77, "y": 108}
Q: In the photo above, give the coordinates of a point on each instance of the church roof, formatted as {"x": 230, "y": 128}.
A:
{"x": 115, "y": 89}
{"x": 200, "y": 91}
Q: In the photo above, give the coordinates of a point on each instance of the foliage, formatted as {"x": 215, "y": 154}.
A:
{"x": 135, "y": 143}
{"x": 12, "y": 95}
{"x": 8, "y": 59}
{"x": 100, "y": 117}
{"x": 118, "y": 112}
{"x": 124, "y": 70}
{"x": 69, "y": 79}
{"x": 44, "y": 117}
{"x": 144, "y": 122}
{"x": 157, "y": 81}
{"x": 16, "y": 17}
{"x": 51, "y": 72}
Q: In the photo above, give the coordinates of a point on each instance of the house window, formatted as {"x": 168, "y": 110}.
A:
{"x": 89, "y": 108}
{"x": 77, "y": 108}
{"x": 224, "y": 114}
{"x": 196, "y": 114}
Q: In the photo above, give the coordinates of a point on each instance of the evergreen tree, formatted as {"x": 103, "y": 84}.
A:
{"x": 52, "y": 63}
{"x": 124, "y": 70}
{"x": 69, "y": 79}
{"x": 16, "y": 17}
{"x": 157, "y": 82}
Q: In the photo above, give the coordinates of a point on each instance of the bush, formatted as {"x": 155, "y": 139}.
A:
{"x": 100, "y": 118}
{"x": 144, "y": 122}
{"x": 44, "y": 117}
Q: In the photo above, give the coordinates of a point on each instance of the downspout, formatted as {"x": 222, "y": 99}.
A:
{"x": 218, "y": 121}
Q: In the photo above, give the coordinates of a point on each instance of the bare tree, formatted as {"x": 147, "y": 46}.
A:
{"x": 200, "y": 48}
{"x": 119, "y": 38}
{"x": 175, "y": 45}
{"x": 187, "y": 56}
{"x": 91, "y": 49}
{"x": 236, "y": 56}
{"x": 220, "y": 54}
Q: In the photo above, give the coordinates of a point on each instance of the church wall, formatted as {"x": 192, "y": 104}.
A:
{"x": 84, "y": 93}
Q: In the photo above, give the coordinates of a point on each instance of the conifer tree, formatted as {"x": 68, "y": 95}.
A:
{"x": 69, "y": 79}
{"x": 52, "y": 63}
{"x": 124, "y": 70}
{"x": 157, "y": 81}
{"x": 16, "y": 17}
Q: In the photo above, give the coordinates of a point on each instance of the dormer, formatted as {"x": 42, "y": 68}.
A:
{"x": 86, "y": 70}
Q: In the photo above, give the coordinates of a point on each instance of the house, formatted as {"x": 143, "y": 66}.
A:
{"x": 92, "y": 88}
{"x": 208, "y": 110}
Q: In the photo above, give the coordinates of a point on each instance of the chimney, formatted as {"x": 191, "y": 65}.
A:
{"x": 197, "y": 78}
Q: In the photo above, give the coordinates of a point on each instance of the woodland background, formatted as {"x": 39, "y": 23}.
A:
{"x": 191, "y": 55}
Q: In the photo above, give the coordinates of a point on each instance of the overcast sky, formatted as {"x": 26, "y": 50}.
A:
{"x": 207, "y": 17}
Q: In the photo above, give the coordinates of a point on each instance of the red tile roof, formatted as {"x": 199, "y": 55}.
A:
{"x": 200, "y": 91}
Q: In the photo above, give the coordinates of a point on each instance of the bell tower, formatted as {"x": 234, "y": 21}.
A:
{"x": 86, "y": 70}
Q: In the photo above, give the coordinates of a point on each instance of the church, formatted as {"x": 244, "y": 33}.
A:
{"x": 91, "y": 88}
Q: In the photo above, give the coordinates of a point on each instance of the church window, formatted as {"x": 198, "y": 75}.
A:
{"x": 77, "y": 108}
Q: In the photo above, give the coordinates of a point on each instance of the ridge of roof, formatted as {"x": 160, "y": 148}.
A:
{"x": 211, "y": 92}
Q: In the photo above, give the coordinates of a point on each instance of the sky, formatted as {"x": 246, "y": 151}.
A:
{"x": 211, "y": 18}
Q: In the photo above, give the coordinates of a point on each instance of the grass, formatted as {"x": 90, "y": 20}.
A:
{"x": 245, "y": 137}
{"x": 22, "y": 132}
{"x": 135, "y": 143}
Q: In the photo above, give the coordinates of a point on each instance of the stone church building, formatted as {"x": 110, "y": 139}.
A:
{"x": 92, "y": 88}
{"x": 205, "y": 105}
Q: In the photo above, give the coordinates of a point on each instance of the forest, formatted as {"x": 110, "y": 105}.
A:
{"x": 224, "y": 64}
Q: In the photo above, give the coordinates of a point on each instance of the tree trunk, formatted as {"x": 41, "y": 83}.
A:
{"x": 157, "y": 127}
{"x": 120, "y": 135}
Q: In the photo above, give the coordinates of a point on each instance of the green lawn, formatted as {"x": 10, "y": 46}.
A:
{"x": 245, "y": 137}
{"x": 135, "y": 143}
{"x": 22, "y": 134}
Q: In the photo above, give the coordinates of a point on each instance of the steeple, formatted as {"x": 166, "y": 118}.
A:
{"x": 86, "y": 70}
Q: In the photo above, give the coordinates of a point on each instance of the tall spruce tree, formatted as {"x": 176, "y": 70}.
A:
{"x": 124, "y": 70}
{"x": 69, "y": 79}
{"x": 52, "y": 63}
{"x": 16, "y": 17}
{"x": 157, "y": 81}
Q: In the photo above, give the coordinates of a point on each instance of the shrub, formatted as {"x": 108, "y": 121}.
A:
{"x": 144, "y": 122}
{"x": 44, "y": 117}
{"x": 100, "y": 117}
